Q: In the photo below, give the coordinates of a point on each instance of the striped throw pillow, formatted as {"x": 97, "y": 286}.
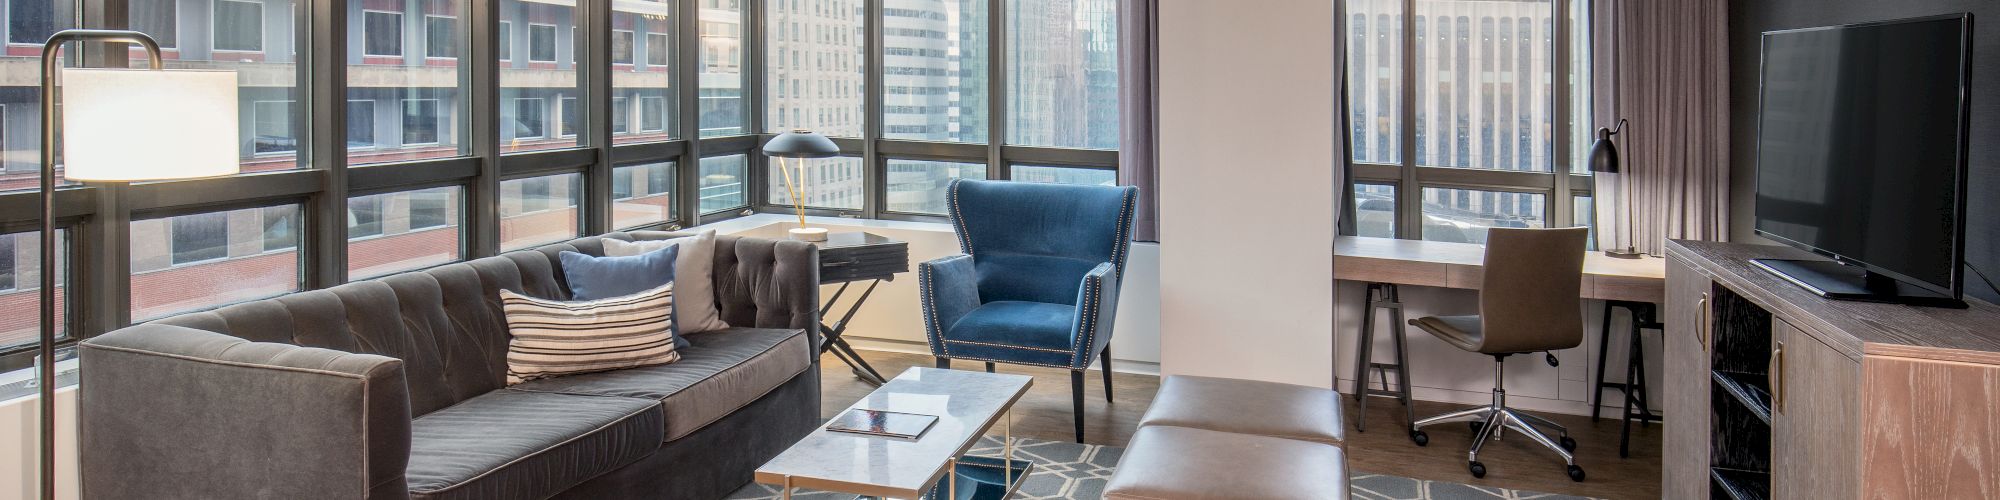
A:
{"x": 554, "y": 338}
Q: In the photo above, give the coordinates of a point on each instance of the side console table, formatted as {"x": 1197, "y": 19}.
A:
{"x": 847, "y": 258}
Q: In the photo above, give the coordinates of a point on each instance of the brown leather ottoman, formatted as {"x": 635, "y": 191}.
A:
{"x": 1248, "y": 407}
{"x": 1165, "y": 462}
{"x": 1214, "y": 438}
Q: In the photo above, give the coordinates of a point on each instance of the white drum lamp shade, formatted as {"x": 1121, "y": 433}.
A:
{"x": 129, "y": 125}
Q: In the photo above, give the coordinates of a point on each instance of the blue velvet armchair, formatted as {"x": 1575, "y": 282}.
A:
{"x": 1038, "y": 284}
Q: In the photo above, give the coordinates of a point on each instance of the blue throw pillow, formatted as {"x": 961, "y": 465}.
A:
{"x": 592, "y": 278}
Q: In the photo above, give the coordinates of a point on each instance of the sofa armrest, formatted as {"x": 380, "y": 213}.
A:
{"x": 1096, "y": 307}
{"x": 949, "y": 288}
{"x": 174, "y": 412}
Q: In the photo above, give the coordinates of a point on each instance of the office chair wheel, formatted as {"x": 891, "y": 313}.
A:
{"x": 1575, "y": 473}
{"x": 1551, "y": 358}
{"x": 1475, "y": 426}
{"x": 1479, "y": 469}
{"x": 1568, "y": 444}
{"x": 1420, "y": 438}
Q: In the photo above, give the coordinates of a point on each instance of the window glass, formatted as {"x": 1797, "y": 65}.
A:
{"x": 1375, "y": 79}
{"x": 918, "y": 186}
{"x": 643, "y": 74}
{"x": 1585, "y": 214}
{"x": 539, "y": 84}
{"x": 506, "y": 41}
{"x": 1062, "y": 70}
{"x": 722, "y": 182}
{"x": 621, "y": 116}
{"x": 824, "y": 183}
{"x": 1375, "y": 210}
{"x": 538, "y": 210}
{"x": 417, "y": 96}
{"x": 934, "y": 79}
{"x": 1486, "y": 97}
{"x": 642, "y": 194}
{"x": 1463, "y": 215}
{"x": 394, "y": 232}
{"x": 360, "y": 124}
{"x": 819, "y": 46}
{"x": 158, "y": 20}
{"x": 20, "y": 287}
{"x": 382, "y": 33}
{"x": 1066, "y": 175}
{"x": 722, "y": 109}
{"x": 253, "y": 38}
{"x": 197, "y": 261}
{"x": 28, "y": 22}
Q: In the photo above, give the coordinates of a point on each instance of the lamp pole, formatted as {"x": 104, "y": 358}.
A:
{"x": 47, "y": 352}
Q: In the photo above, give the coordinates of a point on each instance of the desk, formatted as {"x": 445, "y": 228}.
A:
{"x": 1459, "y": 265}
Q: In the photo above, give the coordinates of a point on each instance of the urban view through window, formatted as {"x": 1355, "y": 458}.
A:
{"x": 406, "y": 101}
{"x": 1483, "y": 99}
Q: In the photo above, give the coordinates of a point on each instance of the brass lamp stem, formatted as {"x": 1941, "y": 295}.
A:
{"x": 790, "y": 188}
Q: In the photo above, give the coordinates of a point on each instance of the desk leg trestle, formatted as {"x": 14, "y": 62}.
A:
{"x": 1644, "y": 317}
{"x": 1381, "y": 296}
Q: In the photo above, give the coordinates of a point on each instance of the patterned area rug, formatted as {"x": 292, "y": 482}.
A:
{"x": 1066, "y": 471}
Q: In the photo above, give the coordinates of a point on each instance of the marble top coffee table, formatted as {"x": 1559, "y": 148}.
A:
{"x": 967, "y": 405}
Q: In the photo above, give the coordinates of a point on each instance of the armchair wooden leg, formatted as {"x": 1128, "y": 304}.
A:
{"x": 1076, "y": 400}
{"x": 989, "y": 367}
{"x": 943, "y": 363}
{"x": 1105, "y": 359}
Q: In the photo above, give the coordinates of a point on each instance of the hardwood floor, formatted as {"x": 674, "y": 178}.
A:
{"x": 1512, "y": 463}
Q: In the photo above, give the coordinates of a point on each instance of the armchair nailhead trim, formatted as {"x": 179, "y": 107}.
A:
{"x": 927, "y": 284}
{"x": 1007, "y": 346}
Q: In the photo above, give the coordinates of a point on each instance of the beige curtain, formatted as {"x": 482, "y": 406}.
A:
{"x": 1663, "y": 66}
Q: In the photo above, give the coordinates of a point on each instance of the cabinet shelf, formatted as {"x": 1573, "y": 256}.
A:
{"x": 1741, "y": 484}
{"x": 1746, "y": 389}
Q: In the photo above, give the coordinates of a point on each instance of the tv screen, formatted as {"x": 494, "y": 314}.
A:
{"x": 1860, "y": 145}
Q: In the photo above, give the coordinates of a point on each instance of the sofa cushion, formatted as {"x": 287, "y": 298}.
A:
{"x": 723, "y": 370}
{"x": 1178, "y": 462}
{"x": 1014, "y": 331}
{"x": 511, "y": 444}
{"x": 1217, "y": 404}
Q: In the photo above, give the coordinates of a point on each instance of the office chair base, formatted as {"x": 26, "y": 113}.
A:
{"x": 1492, "y": 421}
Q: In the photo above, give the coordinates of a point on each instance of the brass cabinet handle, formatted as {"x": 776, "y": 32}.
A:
{"x": 1701, "y": 331}
{"x": 1777, "y": 377}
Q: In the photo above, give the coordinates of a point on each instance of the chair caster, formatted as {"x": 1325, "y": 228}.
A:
{"x": 1420, "y": 438}
{"x": 1475, "y": 426}
{"x": 1575, "y": 473}
{"x": 1479, "y": 469}
{"x": 1551, "y": 359}
{"x": 1568, "y": 444}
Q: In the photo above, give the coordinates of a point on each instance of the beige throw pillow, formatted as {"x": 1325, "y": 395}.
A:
{"x": 694, "y": 272}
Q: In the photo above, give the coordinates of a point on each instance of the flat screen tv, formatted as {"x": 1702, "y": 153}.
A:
{"x": 1861, "y": 157}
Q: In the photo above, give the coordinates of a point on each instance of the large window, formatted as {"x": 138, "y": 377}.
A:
{"x": 417, "y": 93}
{"x": 396, "y": 232}
{"x": 722, "y": 81}
{"x": 197, "y": 261}
{"x": 918, "y": 187}
{"x": 1486, "y": 87}
{"x": 722, "y": 182}
{"x": 642, "y": 194}
{"x": 934, "y": 78}
{"x": 253, "y": 38}
{"x": 1062, "y": 74}
{"x": 20, "y": 287}
{"x": 548, "y": 75}
{"x": 538, "y": 210}
{"x": 823, "y": 183}
{"x": 1065, "y": 175}
{"x": 812, "y": 59}
{"x": 640, "y": 71}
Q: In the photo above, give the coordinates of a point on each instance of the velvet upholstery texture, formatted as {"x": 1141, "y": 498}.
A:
{"x": 394, "y": 388}
{"x": 592, "y": 278}
{"x": 1038, "y": 283}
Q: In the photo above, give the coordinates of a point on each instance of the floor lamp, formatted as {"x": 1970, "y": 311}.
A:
{"x": 117, "y": 123}
{"x": 800, "y": 145}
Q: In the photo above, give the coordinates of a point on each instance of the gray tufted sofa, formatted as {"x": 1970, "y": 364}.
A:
{"x": 393, "y": 388}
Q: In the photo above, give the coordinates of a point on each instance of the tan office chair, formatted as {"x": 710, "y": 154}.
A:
{"x": 1527, "y": 303}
